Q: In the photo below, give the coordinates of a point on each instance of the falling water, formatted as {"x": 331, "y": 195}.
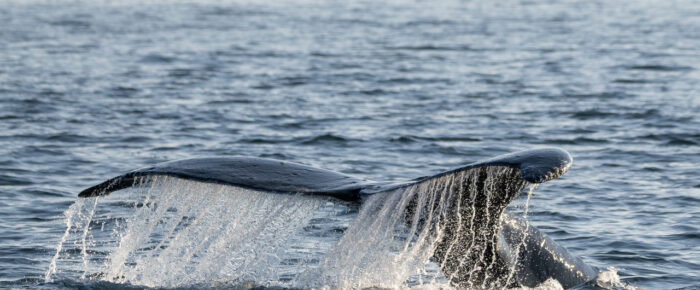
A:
{"x": 76, "y": 221}
{"x": 438, "y": 232}
{"x": 169, "y": 232}
{"x": 523, "y": 240}
{"x": 179, "y": 232}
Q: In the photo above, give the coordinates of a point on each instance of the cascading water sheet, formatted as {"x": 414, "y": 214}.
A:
{"x": 395, "y": 239}
{"x": 170, "y": 232}
{"x": 180, "y": 232}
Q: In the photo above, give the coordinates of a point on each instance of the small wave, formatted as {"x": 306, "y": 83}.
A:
{"x": 645, "y": 114}
{"x": 233, "y": 11}
{"x": 403, "y": 80}
{"x": 325, "y": 139}
{"x": 592, "y": 114}
{"x": 374, "y": 92}
{"x": 681, "y": 142}
{"x": 691, "y": 287}
{"x": 6, "y": 180}
{"x": 263, "y": 86}
{"x": 264, "y": 140}
{"x": 625, "y": 113}
{"x": 683, "y": 237}
{"x": 576, "y": 141}
{"x": 73, "y": 23}
{"x": 41, "y": 192}
{"x": 181, "y": 72}
{"x": 656, "y": 67}
{"x": 278, "y": 156}
{"x": 430, "y": 22}
{"x": 415, "y": 138}
{"x": 51, "y": 93}
{"x": 10, "y": 116}
{"x": 135, "y": 139}
{"x": 674, "y": 139}
{"x": 552, "y": 215}
{"x": 293, "y": 81}
{"x": 431, "y": 47}
{"x": 626, "y": 256}
{"x": 631, "y": 81}
{"x": 602, "y": 95}
{"x": 68, "y": 138}
{"x": 122, "y": 91}
{"x": 233, "y": 100}
{"x": 157, "y": 58}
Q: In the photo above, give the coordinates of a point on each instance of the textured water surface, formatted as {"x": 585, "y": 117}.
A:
{"x": 383, "y": 91}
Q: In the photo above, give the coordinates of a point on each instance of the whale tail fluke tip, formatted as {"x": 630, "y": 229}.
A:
{"x": 108, "y": 186}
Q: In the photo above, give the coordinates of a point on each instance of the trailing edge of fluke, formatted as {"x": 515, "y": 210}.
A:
{"x": 536, "y": 166}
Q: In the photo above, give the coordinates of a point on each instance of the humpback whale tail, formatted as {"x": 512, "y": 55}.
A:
{"x": 459, "y": 210}
{"x": 534, "y": 166}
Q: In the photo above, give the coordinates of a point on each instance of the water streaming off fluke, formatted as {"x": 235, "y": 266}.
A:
{"x": 178, "y": 232}
{"x": 170, "y": 232}
{"x": 439, "y": 232}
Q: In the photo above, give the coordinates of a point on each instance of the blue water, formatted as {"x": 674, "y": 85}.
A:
{"x": 384, "y": 91}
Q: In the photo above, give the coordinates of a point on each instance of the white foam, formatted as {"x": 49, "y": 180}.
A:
{"x": 549, "y": 284}
{"x": 611, "y": 280}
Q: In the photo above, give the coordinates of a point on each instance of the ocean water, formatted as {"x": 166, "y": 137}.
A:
{"x": 387, "y": 91}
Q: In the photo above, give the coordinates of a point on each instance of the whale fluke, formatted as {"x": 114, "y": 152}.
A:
{"x": 248, "y": 172}
{"x": 535, "y": 166}
{"x": 471, "y": 252}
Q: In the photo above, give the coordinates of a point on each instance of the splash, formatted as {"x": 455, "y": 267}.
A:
{"x": 169, "y": 232}
{"x": 549, "y": 284}
{"x": 611, "y": 280}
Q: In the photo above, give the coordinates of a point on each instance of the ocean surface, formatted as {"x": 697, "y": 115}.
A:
{"x": 382, "y": 90}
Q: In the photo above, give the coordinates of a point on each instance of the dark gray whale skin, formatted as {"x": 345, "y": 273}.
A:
{"x": 536, "y": 166}
{"x": 540, "y": 257}
{"x": 248, "y": 172}
{"x": 540, "y": 260}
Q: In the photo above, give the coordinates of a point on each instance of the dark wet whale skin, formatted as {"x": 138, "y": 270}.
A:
{"x": 541, "y": 260}
{"x": 536, "y": 166}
